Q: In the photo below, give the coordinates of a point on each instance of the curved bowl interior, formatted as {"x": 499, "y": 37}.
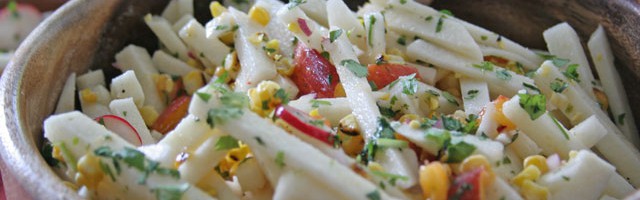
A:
{"x": 86, "y": 35}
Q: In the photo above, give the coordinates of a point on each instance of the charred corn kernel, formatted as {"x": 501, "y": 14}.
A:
{"x": 88, "y": 96}
{"x": 532, "y": 191}
{"x": 408, "y": 117}
{"x": 374, "y": 166}
{"x": 192, "y": 81}
{"x": 149, "y": 115}
{"x": 234, "y": 158}
{"x": 70, "y": 185}
{"x": 216, "y": 9}
{"x": 273, "y": 44}
{"x": 89, "y": 171}
{"x": 573, "y": 154}
{"x": 263, "y": 98}
{"x": 260, "y": 15}
{"x": 531, "y": 173}
{"x": 538, "y": 161}
{"x": 602, "y": 99}
{"x": 349, "y": 134}
{"x": 434, "y": 180}
{"x": 339, "y": 91}
{"x": 164, "y": 83}
{"x": 294, "y": 27}
{"x": 56, "y": 153}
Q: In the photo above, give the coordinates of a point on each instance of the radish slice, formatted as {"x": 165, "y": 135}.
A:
{"x": 304, "y": 123}
{"x": 121, "y": 127}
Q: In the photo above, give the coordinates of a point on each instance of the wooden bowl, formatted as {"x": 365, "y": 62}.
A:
{"x": 86, "y": 35}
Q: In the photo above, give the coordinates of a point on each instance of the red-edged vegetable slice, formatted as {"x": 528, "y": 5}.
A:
{"x": 383, "y": 74}
{"x": 172, "y": 115}
{"x": 313, "y": 73}
{"x": 304, "y": 123}
{"x": 468, "y": 186}
{"x": 121, "y": 127}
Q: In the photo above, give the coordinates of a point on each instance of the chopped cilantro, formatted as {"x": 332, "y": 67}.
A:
{"x": 356, "y": 68}
{"x": 391, "y": 177}
{"x": 439, "y": 24}
{"x": 226, "y": 143}
{"x": 484, "y": 66}
{"x": 316, "y": 103}
{"x": 450, "y": 123}
{"x": 566, "y": 178}
{"x": 471, "y": 94}
{"x": 450, "y": 98}
{"x": 535, "y": 105}
{"x": 392, "y": 143}
{"x": 259, "y": 140}
{"x": 375, "y": 195}
{"x": 403, "y": 1}
{"x": 531, "y": 87}
{"x": 459, "y": 151}
{"x": 107, "y": 170}
{"x": 384, "y": 130}
{"x": 295, "y": 3}
{"x": 133, "y": 158}
{"x": 170, "y": 192}
{"x": 204, "y": 96}
{"x": 221, "y": 115}
{"x": 572, "y": 72}
{"x": 446, "y": 12}
{"x": 503, "y": 75}
{"x": 429, "y": 18}
{"x": 558, "y": 85}
{"x": 409, "y": 84}
{"x": 221, "y": 27}
{"x": 484, "y": 37}
{"x": 282, "y": 95}
{"x": 372, "y": 21}
{"x": 439, "y": 136}
{"x": 326, "y": 55}
{"x": 387, "y": 112}
{"x": 280, "y": 159}
{"x": 333, "y": 35}
{"x": 562, "y": 129}
{"x": 621, "y": 118}
{"x": 506, "y": 160}
{"x": 402, "y": 40}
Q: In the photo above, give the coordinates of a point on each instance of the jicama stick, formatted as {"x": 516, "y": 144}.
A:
{"x": 187, "y": 136}
{"x": 333, "y": 109}
{"x": 163, "y": 30}
{"x": 496, "y": 77}
{"x": 611, "y": 83}
{"x": 250, "y": 176}
{"x": 374, "y": 25}
{"x": 589, "y": 132}
{"x": 583, "y": 177}
{"x": 126, "y": 85}
{"x": 95, "y": 107}
{"x": 550, "y": 135}
{"x": 212, "y": 180}
{"x": 475, "y": 95}
{"x": 296, "y": 185}
{"x": 277, "y": 29}
{"x": 480, "y": 35}
{"x": 137, "y": 59}
{"x": 80, "y": 135}
{"x": 360, "y": 97}
{"x": 341, "y": 16}
{"x": 427, "y": 74}
{"x": 90, "y": 79}
{"x": 255, "y": 66}
{"x": 203, "y": 159}
{"x": 181, "y": 22}
{"x": 618, "y": 187}
{"x": 171, "y": 12}
{"x": 168, "y": 64}
{"x": 316, "y": 10}
{"x": 209, "y": 50}
{"x": 126, "y": 109}
{"x": 523, "y": 146}
{"x": 492, "y": 51}
{"x": 304, "y": 28}
{"x": 67, "y": 100}
{"x": 440, "y": 30}
{"x": 563, "y": 41}
{"x": 500, "y": 189}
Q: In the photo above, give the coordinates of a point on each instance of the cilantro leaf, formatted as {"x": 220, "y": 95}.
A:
{"x": 372, "y": 21}
{"x": 409, "y": 84}
{"x": 621, "y": 118}
{"x": 484, "y": 66}
{"x": 170, "y": 192}
{"x": 204, "y": 96}
{"x": 450, "y": 123}
{"x": 450, "y": 98}
{"x": 535, "y": 105}
{"x": 333, "y": 35}
{"x": 280, "y": 159}
{"x": 295, "y": 3}
{"x": 572, "y": 72}
{"x": 439, "y": 24}
{"x": 439, "y": 136}
{"x": 558, "y": 85}
{"x": 356, "y": 68}
{"x": 503, "y": 75}
{"x": 316, "y": 103}
{"x": 471, "y": 94}
{"x": 225, "y": 143}
{"x": 375, "y": 195}
{"x": 459, "y": 151}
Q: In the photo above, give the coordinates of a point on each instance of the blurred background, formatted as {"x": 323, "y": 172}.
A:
{"x": 17, "y": 19}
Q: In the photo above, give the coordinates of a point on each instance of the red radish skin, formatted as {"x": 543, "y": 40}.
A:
{"x": 468, "y": 186}
{"x": 121, "y": 127}
{"x": 313, "y": 73}
{"x": 300, "y": 120}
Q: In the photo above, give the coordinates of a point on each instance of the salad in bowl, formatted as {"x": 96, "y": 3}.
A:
{"x": 311, "y": 100}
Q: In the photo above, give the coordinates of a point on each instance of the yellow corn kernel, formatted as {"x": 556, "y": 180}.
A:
{"x": 192, "y": 81}
{"x": 414, "y": 124}
{"x": 257, "y": 38}
{"x": 374, "y": 166}
{"x": 339, "y": 91}
{"x": 227, "y": 37}
{"x": 573, "y": 154}
{"x": 529, "y": 173}
{"x": 408, "y": 117}
{"x": 537, "y": 160}
{"x": 260, "y": 15}
{"x": 385, "y": 96}
{"x": 434, "y": 180}
{"x": 216, "y": 9}
{"x": 532, "y": 191}
{"x": 88, "y": 96}
{"x": 294, "y": 27}
{"x": 396, "y": 52}
{"x": 149, "y": 115}
{"x": 56, "y": 153}
{"x": 474, "y": 161}
{"x": 89, "y": 171}
{"x": 164, "y": 83}
{"x": 314, "y": 113}
{"x": 194, "y": 63}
